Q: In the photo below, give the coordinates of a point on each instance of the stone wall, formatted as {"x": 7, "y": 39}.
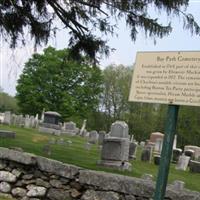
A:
{"x": 25, "y": 176}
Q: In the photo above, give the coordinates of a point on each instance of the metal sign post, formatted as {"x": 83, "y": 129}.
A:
{"x": 166, "y": 153}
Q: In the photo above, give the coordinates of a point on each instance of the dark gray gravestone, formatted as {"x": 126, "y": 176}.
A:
{"x": 189, "y": 153}
{"x": 157, "y": 159}
{"x": 194, "y": 166}
{"x": 176, "y": 154}
{"x": 7, "y": 134}
{"x": 146, "y": 155}
{"x": 132, "y": 150}
{"x": 115, "y": 149}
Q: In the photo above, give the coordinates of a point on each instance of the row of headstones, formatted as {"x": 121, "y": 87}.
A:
{"x": 182, "y": 159}
{"x": 93, "y": 137}
{"x": 116, "y": 147}
{"x": 20, "y": 120}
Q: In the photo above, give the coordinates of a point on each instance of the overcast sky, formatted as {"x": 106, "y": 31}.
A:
{"x": 12, "y": 61}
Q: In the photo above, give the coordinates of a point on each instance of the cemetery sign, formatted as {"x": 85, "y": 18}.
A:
{"x": 167, "y": 77}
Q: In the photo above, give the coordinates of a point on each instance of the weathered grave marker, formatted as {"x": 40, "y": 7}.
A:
{"x": 115, "y": 149}
{"x": 176, "y": 154}
{"x": 93, "y": 137}
{"x": 7, "y": 134}
{"x": 183, "y": 162}
{"x": 169, "y": 78}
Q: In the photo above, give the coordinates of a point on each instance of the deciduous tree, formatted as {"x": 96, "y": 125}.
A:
{"x": 55, "y": 82}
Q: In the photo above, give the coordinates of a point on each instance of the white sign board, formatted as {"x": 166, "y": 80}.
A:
{"x": 167, "y": 77}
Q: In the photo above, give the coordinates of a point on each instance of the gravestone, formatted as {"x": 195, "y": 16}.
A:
{"x": 93, "y": 137}
{"x": 142, "y": 144}
{"x": 158, "y": 145}
{"x": 32, "y": 122}
{"x": 132, "y": 150}
{"x": 154, "y": 136}
{"x": 36, "y": 121}
{"x": 194, "y": 166}
{"x": 23, "y": 121}
{"x": 119, "y": 129}
{"x": 42, "y": 115}
{"x": 70, "y": 125}
{"x": 175, "y": 142}
{"x": 51, "y": 123}
{"x": 18, "y": 120}
{"x": 115, "y": 149}
{"x": 85, "y": 134}
{"x": 1, "y": 118}
{"x": 183, "y": 163}
{"x": 176, "y": 154}
{"x": 7, "y": 118}
{"x": 157, "y": 159}
{"x": 27, "y": 121}
{"x": 189, "y": 153}
{"x": 101, "y": 137}
{"x": 147, "y": 154}
{"x": 7, "y": 134}
{"x": 70, "y": 128}
{"x": 83, "y": 127}
{"x": 13, "y": 119}
{"x": 196, "y": 150}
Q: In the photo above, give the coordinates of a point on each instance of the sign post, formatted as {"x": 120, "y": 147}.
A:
{"x": 171, "y": 78}
{"x": 170, "y": 128}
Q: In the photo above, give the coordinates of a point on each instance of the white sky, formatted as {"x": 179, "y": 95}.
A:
{"x": 12, "y": 61}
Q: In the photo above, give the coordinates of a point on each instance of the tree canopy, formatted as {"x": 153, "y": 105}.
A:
{"x": 53, "y": 81}
{"x": 84, "y": 19}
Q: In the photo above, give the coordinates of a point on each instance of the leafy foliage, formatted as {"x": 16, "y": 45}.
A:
{"x": 84, "y": 19}
{"x": 7, "y": 103}
{"x": 55, "y": 82}
{"x": 140, "y": 117}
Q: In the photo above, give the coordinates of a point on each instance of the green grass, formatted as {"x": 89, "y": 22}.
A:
{"x": 5, "y": 198}
{"x": 32, "y": 141}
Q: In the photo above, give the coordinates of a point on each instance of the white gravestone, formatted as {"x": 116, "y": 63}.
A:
{"x": 158, "y": 145}
{"x": 27, "y": 121}
{"x": 7, "y": 118}
{"x": 83, "y": 127}
{"x": 183, "y": 163}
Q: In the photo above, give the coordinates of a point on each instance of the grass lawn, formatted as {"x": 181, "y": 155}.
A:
{"x": 32, "y": 141}
{"x": 5, "y": 198}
